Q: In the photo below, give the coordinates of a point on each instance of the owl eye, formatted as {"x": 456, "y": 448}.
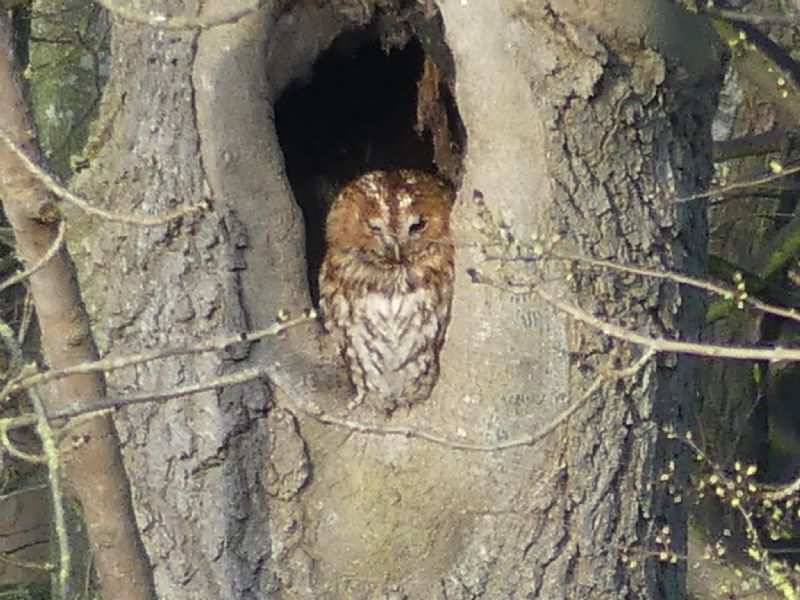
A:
{"x": 374, "y": 228}
{"x": 417, "y": 226}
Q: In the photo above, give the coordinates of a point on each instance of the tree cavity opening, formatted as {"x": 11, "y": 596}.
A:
{"x": 380, "y": 97}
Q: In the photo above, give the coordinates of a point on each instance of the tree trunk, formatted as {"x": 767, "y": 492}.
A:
{"x": 581, "y": 120}
{"x": 85, "y": 453}
{"x": 195, "y": 465}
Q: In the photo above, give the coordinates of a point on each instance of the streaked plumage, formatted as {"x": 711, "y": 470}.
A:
{"x": 387, "y": 281}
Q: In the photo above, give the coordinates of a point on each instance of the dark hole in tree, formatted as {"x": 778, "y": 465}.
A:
{"x": 357, "y": 113}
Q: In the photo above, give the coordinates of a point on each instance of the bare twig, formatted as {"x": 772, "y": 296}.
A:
{"x": 52, "y": 459}
{"x": 701, "y": 284}
{"x": 751, "y": 18}
{"x": 10, "y": 447}
{"x": 12, "y": 347}
{"x": 45, "y": 258}
{"x": 738, "y": 185}
{"x": 24, "y": 564}
{"x": 656, "y": 344}
{"x": 27, "y": 318}
{"x": 777, "y": 140}
{"x": 60, "y": 191}
{"x": 25, "y": 381}
{"x": 295, "y": 403}
{"x": 31, "y": 489}
{"x": 108, "y": 405}
{"x": 786, "y": 491}
{"x": 662, "y": 344}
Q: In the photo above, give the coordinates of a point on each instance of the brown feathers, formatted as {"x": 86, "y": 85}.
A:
{"x": 387, "y": 281}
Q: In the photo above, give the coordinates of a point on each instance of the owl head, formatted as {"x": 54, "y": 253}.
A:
{"x": 392, "y": 218}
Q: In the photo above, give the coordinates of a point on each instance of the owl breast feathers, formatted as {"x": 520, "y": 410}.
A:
{"x": 387, "y": 281}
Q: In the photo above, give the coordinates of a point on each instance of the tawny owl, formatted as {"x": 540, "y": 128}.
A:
{"x": 387, "y": 281}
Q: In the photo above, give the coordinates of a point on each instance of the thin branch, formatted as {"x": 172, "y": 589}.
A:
{"x": 23, "y": 564}
{"x": 724, "y": 292}
{"x": 45, "y": 258}
{"x": 111, "y": 404}
{"x": 25, "y": 381}
{"x": 751, "y": 18}
{"x": 27, "y": 317}
{"x": 283, "y": 382}
{"x": 52, "y": 454}
{"x": 526, "y": 286}
{"x": 785, "y": 492}
{"x": 32, "y": 489}
{"x": 49, "y": 182}
{"x": 739, "y": 185}
{"x": 294, "y": 403}
{"x": 661, "y": 345}
{"x": 15, "y": 352}
{"x": 10, "y": 447}
{"x": 12, "y": 347}
{"x": 777, "y": 140}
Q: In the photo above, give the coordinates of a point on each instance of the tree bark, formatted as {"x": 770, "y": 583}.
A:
{"x": 582, "y": 118}
{"x": 88, "y": 450}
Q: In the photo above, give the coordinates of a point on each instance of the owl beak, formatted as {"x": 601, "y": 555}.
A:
{"x": 393, "y": 250}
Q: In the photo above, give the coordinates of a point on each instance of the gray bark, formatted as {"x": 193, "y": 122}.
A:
{"x": 575, "y": 120}
{"x": 194, "y": 465}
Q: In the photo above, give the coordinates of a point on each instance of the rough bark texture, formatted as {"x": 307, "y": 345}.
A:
{"x": 89, "y": 454}
{"x": 629, "y": 128}
{"x": 576, "y": 121}
{"x": 193, "y": 479}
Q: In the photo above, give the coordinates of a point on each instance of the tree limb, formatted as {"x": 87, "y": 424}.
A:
{"x": 94, "y": 467}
